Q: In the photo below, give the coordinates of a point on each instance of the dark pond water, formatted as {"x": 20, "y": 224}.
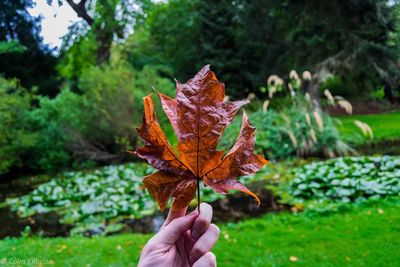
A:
{"x": 386, "y": 147}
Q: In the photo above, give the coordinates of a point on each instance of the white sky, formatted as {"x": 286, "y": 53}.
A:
{"x": 55, "y": 21}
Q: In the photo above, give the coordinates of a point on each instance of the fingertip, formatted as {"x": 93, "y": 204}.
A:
{"x": 202, "y": 221}
{"x": 205, "y": 206}
{"x": 215, "y": 229}
{"x": 207, "y": 259}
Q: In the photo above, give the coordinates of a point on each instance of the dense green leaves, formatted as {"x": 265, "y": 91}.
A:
{"x": 89, "y": 199}
{"x": 259, "y": 38}
{"x": 15, "y": 103}
{"x": 23, "y": 55}
{"x": 348, "y": 179}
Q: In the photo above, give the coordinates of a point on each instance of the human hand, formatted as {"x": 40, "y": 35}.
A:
{"x": 183, "y": 240}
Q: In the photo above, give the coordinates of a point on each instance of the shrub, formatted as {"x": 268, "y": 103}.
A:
{"x": 347, "y": 179}
{"x": 294, "y": 125}
{"x": 98, "y": 123}
{"x": 15, "y": 138}
{"x": 53, "y": 121}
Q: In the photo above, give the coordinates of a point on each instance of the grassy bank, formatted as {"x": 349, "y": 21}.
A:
{"x": 384, "y": 126}
{"x": 363, "y": 236}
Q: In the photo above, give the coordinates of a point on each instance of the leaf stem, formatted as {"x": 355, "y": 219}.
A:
{"x": 198, "y": 195}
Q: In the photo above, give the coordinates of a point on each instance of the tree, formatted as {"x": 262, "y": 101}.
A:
{"x": 189, "y": 34}
{"x": 246, "y": 41}
{"x": 23, "y": 54}
{"x": 106, "y": 19}
{"x": 347, "y": 38}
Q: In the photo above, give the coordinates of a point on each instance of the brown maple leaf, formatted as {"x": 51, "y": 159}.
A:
{"x": 199, "y": 116}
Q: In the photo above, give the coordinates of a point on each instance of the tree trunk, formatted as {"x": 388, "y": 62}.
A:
{"x": 104, "y": 42}
{"x": 314, "y": 91}
{"x": 103, "y": 31}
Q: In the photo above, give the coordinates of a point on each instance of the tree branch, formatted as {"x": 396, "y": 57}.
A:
{"x": 81, "y": 11}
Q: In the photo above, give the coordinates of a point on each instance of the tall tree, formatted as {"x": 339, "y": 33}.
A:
{"x": 24, "y": 56}
{"x": 189, "y": 34}
{"x": 106, "y": 20}
{"x": 347, "y": 38}
{"x": 247, "y": 40}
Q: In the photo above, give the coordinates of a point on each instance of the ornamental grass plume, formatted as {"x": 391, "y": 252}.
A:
{"x": 293, "y": 75}
{"x": 318, "y": 120}
{"x": 365, "y": 128}
{"x": 308, "y": 118}
{"x": 265, "y": 106}
{"x": 306, "y": 75}
{"x": 343, "y": 103}
{"x": 292, "y": 138}
{"x": 329, "y": 96}
{"x": 274, "y": 80}
{"x": 313, "y": 136}
{"x": 251, "y": 96}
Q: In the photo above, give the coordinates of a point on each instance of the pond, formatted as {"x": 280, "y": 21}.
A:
{"x": 233, "y": 207}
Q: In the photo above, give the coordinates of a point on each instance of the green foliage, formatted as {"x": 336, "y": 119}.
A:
{"x": 340, "y": 86}
{"x": 51, "y": 120}
{"x": 362, "y": 236}
{"x": 187, "y": 35}
{"x": 98, "y": 200}
{"x": 384, "y": 127}
{"x": 77, "y": 59}
{"x": 294, "y": 130}
{"x": 11, "y": 47}
{"x": 287, "y": 133}
{"x": 98, "y": 124}
{"x": 23, "y": 55}
{"x": 76, "y": 129}
{"x": 238, "y": 37}
{"x": 15, "y": 103}
{"x": 377, "y": 94}
{"x": 91, "y": 200}
{"x": 349, "y": 179}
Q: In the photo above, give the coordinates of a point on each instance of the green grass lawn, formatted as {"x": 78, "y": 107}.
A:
{"x": 384, "y": 126}
{"x": 364, "y": 236}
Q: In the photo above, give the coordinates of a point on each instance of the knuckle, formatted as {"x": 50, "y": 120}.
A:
{"x": 199, "y": 250}
{"x": 202, "y": 222}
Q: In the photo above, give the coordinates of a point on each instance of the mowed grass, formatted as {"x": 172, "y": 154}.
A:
{"x": 363, "y": 236}
{"x": 384, "y": 126}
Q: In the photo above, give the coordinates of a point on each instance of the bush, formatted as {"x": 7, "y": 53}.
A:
{"x": 347, "y": 179}
{"x": 53, "y": 121}
{"x": 99, "y": 123}
{"x": 15, "y": 138}
{"x": 292, "y": 132}
{"x": 296, "y": 126}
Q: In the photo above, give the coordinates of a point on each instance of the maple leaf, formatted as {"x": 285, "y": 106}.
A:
{"x": 198, "y": 116}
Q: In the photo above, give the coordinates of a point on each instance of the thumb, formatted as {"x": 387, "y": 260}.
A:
{"x": 173, "y": 214}
{"x": 171, "y": 233}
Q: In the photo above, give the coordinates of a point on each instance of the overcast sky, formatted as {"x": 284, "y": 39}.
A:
{"x": 55, "y": 21}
